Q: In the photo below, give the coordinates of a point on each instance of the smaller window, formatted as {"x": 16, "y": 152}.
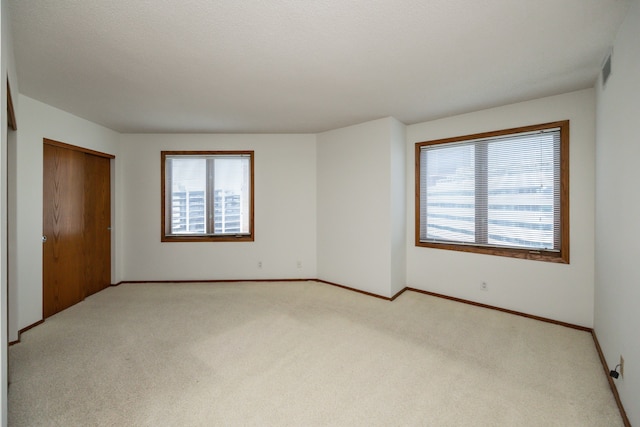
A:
{"x": 501, "y": 193}
{"x": 207, "y": 196}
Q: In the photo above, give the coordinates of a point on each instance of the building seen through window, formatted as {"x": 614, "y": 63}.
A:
{"x": 207, "y": 195}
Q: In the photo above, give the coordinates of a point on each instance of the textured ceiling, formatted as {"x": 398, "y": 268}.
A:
{"x": 302, "y": 66}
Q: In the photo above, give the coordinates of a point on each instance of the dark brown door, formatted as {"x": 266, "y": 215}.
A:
{"x": 97, "y": 223}
{"x": 77, "y": 212}
{"x": 63, "y": 210}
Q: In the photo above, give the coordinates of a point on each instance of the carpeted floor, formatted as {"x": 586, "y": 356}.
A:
{"x": 300, "y": 354}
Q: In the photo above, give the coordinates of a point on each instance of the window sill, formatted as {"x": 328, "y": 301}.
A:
{"x": 547, "y": 256}
{"x": 225, "y": 238}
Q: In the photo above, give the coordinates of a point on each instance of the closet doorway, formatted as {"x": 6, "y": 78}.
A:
{"x": 76, "y": 225}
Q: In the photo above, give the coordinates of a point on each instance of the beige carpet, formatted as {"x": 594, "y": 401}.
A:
{"x": 300, "y": 354}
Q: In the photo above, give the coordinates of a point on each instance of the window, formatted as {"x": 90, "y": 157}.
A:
{"x": 207, "y": 196}
{"x": 501, "y": 193}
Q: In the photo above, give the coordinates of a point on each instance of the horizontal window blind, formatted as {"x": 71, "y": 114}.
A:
{"x": 498, "y": 191}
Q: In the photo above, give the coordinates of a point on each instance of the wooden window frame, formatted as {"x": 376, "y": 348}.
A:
{"x": 560, "y": 256}
{"x": 248, "y": 237}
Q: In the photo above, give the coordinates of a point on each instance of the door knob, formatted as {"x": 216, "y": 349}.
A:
{"x": 44, "y": 239}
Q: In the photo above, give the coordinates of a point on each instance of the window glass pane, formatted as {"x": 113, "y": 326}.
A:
{"x": 231, "y": 194}
{"x": 521, "y": 194}
{"x": 450, "y": 193}
{"x": 188, "y": 179}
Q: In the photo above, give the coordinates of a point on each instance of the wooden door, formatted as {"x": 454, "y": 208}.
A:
{"x": 77, "y": 225}
{"x": 97, "y": 223}
{"x": 63, "y": 227}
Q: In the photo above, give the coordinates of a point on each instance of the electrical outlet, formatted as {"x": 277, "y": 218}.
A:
{"x": 484, "y": 286}
{"x": 259, "y": 264}
{"x": 621, "y": 366}
{"x": 299, "y": 264}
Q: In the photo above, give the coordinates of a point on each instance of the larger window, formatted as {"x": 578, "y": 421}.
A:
{"x": 207, "y": 196}
{"x": 501, "y": 193}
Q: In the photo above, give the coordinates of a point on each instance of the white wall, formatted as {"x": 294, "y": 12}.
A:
{"x": 358, "y": 170}
{"x": 618, "y": 213}
{"x": 557, "y": 291}
{"x": 38, "y": 121}
{"x": 7, "y": 70}
{"x": 398, "y": 206}
{"x": 285, "y": 211}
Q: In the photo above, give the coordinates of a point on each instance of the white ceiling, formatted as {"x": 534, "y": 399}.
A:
{"x": 302, "y": 66}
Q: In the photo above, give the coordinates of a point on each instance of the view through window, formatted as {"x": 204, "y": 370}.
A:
{"x": 208, "y": 196}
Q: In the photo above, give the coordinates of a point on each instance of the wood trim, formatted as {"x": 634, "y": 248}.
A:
{"x": 11, "y": 112}
{"x": 252, "y": 228}
{"x": 612, "y": 384}
{"x": 163, "y": 196}
{"x": 393, "y": 298}
{"x": 124, "y": 282}
{"x": 416, "y": 205}
{"x": 266, "y": 281}
{"x": 357, "y": 290}
{"x": 76, "y": 148}
{"x": 564, "y": 190}
{"x": 209, "y": 238}
{"x": 25, "y": 329}
{"x": 504, "y": 310}
{"x": 371, "y": 294}
{"x": 33, "y": 325}
{"x": 484, "y": 135}
{"x": 528, "y": 254}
